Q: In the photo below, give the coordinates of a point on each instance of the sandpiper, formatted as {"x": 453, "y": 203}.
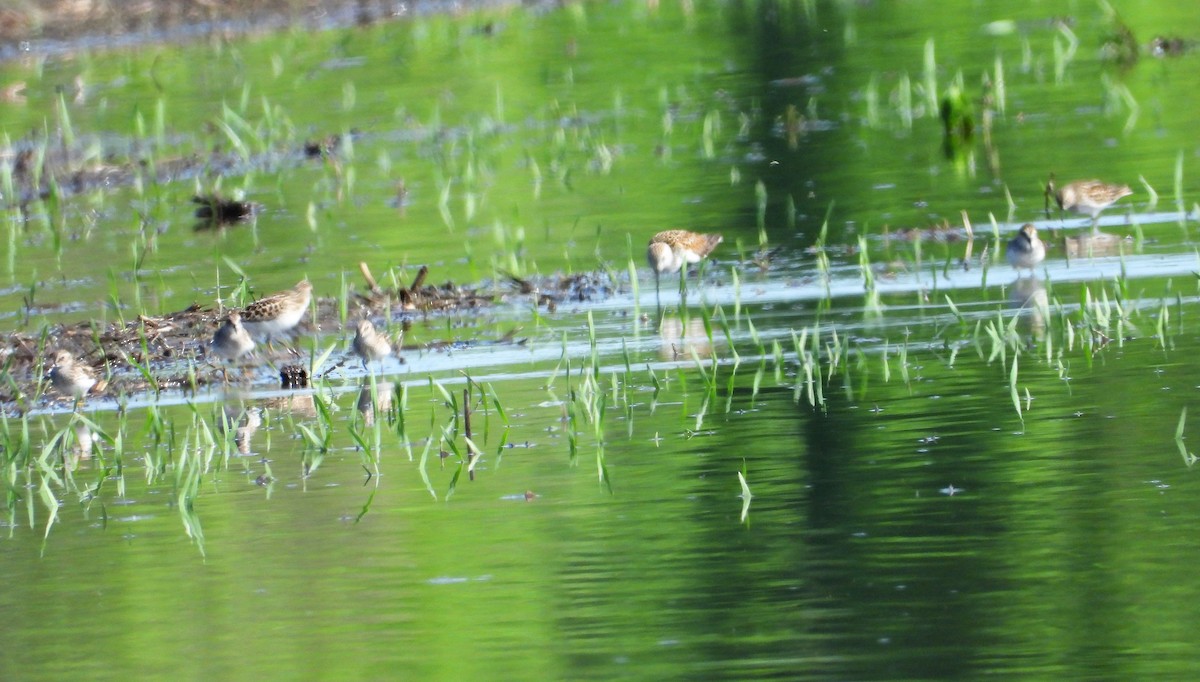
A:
{"x": 668, "y": 251}
{"x": 1088, "y": 197}
{"x": 369, "y": 345}
{"x": 231, "y": 340}
{"x": 278, "y": 313}
{"x": 70, "y": 377}
{"x": 1025, "y": 250}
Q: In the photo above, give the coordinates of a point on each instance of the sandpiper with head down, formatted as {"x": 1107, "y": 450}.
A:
{"x": 278, "y": 313}
{"x": 70, "y": 377}
{"x": 1088, "y": 197}
{"x": 369, "y": 345}
{"x": 1025, "y": 250}
{"x": 670, "y": 250}
{"x": 231, "y": 340}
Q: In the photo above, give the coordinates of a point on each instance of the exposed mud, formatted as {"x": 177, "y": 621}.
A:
{"x": 63, "y": 26}
{"x": 150, "y": 353}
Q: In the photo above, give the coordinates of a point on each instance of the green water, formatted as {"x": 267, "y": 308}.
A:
{"x": 943, "y": 487}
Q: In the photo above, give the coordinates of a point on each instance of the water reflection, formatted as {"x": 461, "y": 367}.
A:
{"x": 249, "y": 424}
{"x": 1028, "y": 296}
{"x": 245, "y": 422}
{"x": 299, "y": 404}
{"x": 81, "y": 448}
{"x": 678, "y": 338}
{"x": 84, "y": 440}
{"x": 1093, "y": 244}
{"x": 381, "y": 402}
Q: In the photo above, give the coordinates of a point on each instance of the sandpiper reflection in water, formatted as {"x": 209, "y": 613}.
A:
{"x": 1028, "y": 295}
{"x": 677, "y": 340}
{"x": 382, "y": 400}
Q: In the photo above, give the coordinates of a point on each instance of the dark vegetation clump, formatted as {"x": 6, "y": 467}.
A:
{"x": 293, "y": 376}
{"x": 213, "y": 210}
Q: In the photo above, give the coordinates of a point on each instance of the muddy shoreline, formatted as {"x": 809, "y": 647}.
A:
{"x": 153, "y": 353}
{"x": 61, "y": 26}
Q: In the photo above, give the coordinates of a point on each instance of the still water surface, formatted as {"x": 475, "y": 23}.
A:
{"x": 943, "y": 486}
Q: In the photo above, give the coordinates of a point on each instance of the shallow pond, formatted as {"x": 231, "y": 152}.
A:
{"x": 856, "y": 444}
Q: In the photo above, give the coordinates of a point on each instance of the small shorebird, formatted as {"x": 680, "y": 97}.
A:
{"x": 231, "y": 340}
{"x": 369, "y": 345}
{"x": 70, "y": 377}
{"x": 1088, "y": 197}
{"x": 1025, "y": 250}
{"x": 670, "y": 250}
{"x": 277, "y": 313}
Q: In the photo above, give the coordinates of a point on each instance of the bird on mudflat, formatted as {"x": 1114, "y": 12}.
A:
{"x": 231, "y": 340}
{"x": 1088, "y": 197}
{"x": 70, "y": 377}
{"x": 669, "y": 251}
{"x": 1025, "y": 250}
{"x": 278, "y": 313}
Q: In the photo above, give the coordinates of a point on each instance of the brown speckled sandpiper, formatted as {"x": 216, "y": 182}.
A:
{"x": 70, "y": 377}
{"x": 1088, "y": 197}
{"x": 278, "y": 313}
{"x": 670, "y": 250}
{"x": 369, "y": 345}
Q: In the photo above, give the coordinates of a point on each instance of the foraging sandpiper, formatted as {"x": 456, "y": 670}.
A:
{"x": 369, "y": 345}
{"x": 1025, "y": 250}
{"x": 277, "y": 313}
{"x": 231, "y": 340}
{"x": 668, "y": 251}
{"x": 69, "y": 377}
{"x": 1088, "y": 197}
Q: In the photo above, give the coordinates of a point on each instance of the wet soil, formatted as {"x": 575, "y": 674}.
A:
{"x": 149, "y": 353}
{"x": 61, "y": 26}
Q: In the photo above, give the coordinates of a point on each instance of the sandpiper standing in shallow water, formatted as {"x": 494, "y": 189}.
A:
{"x": 369, "y": 345}
{"x": 1025, "y": 250}
{"x": 670, "y": 250}
{"x": 70, "y": 377}
{"x": 1088, "y": 197}
{"x": 278, "y": 313}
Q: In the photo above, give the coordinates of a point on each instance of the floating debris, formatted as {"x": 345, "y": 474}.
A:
{"x": 322, "y": 148}
{"x": 215, "y": 211}
{"x": 1162, "y": 47}
{"x": 293, "y": 376}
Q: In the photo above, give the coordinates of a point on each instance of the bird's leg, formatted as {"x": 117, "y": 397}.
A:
{"x": 683, "y": 287}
